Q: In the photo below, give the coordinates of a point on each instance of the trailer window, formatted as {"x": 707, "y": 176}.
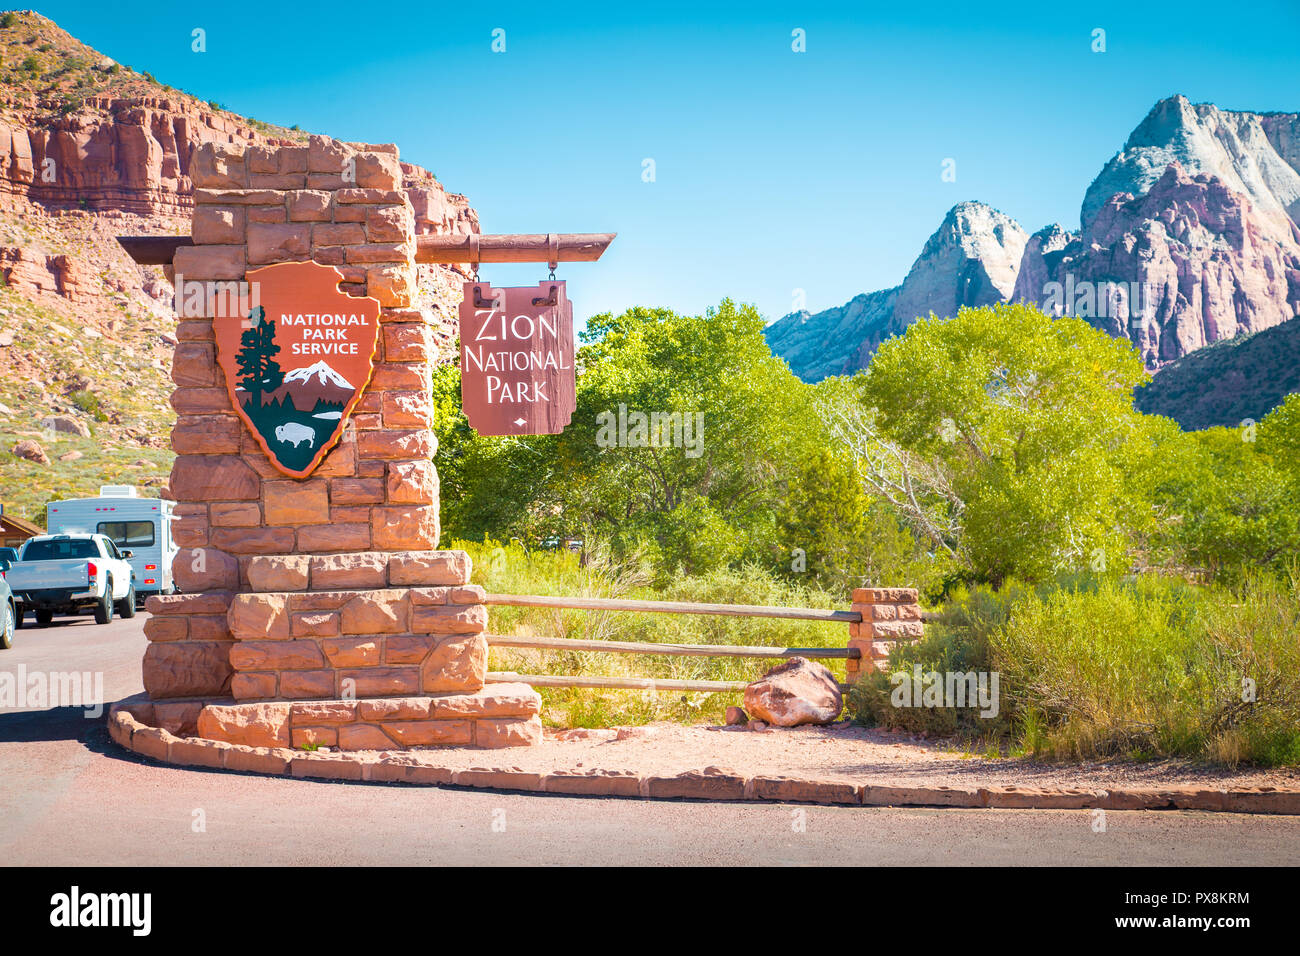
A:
{"x": 128, "y": 534}
{"x": 56, "y": 549}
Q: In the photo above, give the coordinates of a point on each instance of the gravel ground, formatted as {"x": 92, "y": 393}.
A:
{"x": 838, "y": 752}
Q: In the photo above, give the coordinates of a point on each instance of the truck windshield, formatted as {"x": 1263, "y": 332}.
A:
{"x": 55, "y": 549}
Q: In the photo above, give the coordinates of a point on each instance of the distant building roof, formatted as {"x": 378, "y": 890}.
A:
{"x": 14, "y": 525}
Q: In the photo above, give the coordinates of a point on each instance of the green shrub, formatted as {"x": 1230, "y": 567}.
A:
{"x": 1096, "y": 667}
{"x": 7, "y": 20}
{"x": 89, "y": 403}
{"x": 1158, "y": 667}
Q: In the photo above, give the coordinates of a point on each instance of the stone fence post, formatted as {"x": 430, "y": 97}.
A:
{"x": 889, "y": 615}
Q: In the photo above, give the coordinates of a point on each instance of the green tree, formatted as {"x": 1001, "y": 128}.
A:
{"x": 1226, "y": 498}
{"x": 759, "y": 479}
{"x": 1007, "y": 439}
{"x": 259, "y": 372}
{"x": 498, "y": 486}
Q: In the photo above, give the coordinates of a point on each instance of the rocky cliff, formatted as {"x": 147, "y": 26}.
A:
{"x": 971, "y": 259}
{"x": 826, "y": 343}
{"x": 1189, "y": 236}
{"x": 1187, "y": 263}
{"x": 1256, "y": 155}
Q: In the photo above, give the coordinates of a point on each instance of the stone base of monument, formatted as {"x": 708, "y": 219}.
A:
{"x": 358, "y": 651}
{"x": 500, "y": 715}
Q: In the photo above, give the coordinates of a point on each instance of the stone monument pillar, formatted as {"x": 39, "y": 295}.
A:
{"x": 326, "y": 588}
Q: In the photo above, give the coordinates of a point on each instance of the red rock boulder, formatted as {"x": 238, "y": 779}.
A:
{"x": 798, "y": 691}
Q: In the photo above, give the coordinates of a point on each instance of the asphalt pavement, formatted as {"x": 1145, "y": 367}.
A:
{"x": 69, "y": 796}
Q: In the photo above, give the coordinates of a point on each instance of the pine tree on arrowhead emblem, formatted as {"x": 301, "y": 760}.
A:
{"x": 259, "y": 371}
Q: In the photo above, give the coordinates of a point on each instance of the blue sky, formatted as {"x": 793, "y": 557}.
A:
{"x": 774, "y": 170}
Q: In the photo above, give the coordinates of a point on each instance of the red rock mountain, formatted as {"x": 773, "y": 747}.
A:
{"x": 1191, "y": 234}
{"x": 90, "y": 150}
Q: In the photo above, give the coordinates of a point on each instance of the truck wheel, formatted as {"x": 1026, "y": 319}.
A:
{"x": 104, "y": 609}
{"x": 126, "y": 606}
{"x": 8, "y": 626}
{"x": 44, "y": 617}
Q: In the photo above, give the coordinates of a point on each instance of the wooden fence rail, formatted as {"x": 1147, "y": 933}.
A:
{"x": 623, "y": 683}
{"x": 674, "y": 607}
{"x": 677, "y": 650}
{"x": 851, "y": 654}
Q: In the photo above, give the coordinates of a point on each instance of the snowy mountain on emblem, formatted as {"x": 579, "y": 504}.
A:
{"x": 325, "y": 377}
{"x": 313, "y": 388}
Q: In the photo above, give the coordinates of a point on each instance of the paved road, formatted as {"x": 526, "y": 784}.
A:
{"x": 69, "y": 796}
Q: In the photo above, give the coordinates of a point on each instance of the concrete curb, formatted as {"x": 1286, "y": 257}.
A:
{"x": 422, "y": 768}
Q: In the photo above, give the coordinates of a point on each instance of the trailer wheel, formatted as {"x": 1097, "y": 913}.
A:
{"x": 104, "y": 609}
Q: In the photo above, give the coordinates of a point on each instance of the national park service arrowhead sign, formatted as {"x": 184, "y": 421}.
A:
{"x": 297, "y": 364}
{"x": 516, "y": 359}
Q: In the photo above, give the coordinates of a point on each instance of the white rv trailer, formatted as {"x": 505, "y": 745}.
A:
{"x": 144, "y": 525}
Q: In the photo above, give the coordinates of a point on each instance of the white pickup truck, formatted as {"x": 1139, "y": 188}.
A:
{"x": 67, "y": 573}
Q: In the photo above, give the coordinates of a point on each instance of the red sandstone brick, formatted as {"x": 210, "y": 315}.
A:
{"x": 206, "y": 435}
{"x": 236, "y": 514}
{"x": 193, "y": 363}
{"x": 296, "y": 502}
{"x": 498, "y": 779}
{"x": 315, "y": 624}
{"x": 407, "y": 650}
{"x": 253, "y": 540}
{"x": 326, "y": 767}
{"x": 383, "y": 681}
{"x": 449, "y": 619}
{"x": 612, "y": 783}
{"x": 352, "y": 651}
{"x": 317, "y": 736}
{"x": 212, "y": 478}
{"x": 404, "y": 527}
{"x": 327, "y": 712}
{"x": 197, "y": 753}
{"x": 299, "y": 655}
{"x": 406, "y": 343}
{"x": 429, "y": 568}
{"x": 427, "y": 733}
{"x": 335, "y": 537}
{"x": 167, "y": 628}
{"x": 366, "y": 569}
{"x": 252, "y": 686}
{"x": 356, "y": 491}
{"x": 394, "y": 708}
{"x": 303, "y": 685}
{"x": 495, "y": 733}
{"x": 256, "y": 760}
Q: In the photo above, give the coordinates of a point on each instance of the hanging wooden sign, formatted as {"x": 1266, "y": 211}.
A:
{"x": 297, "y": 363}
{"x": 516, "y": 359}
